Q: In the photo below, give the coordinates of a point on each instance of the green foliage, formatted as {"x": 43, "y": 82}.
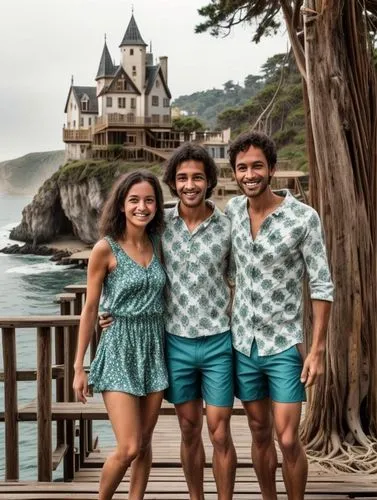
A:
{"x": 207, "y": 104}
{"x": 188, "y": 124}
{"x": 221, "y": 15}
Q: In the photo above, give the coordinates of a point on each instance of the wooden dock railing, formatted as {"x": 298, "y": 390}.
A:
{"x": 65, "y": 327}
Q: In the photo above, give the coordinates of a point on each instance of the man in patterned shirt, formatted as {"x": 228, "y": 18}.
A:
{"x": 275, "y": 240}
{"x": 196, "y": 248}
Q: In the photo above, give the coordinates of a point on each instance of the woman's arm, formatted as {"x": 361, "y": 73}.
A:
{"x": 98, "y": 266}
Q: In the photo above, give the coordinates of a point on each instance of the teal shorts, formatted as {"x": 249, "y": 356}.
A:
{"x": 200, "y": 368}
{"x": 276, "y": 376}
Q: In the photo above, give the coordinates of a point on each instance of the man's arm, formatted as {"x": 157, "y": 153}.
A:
{"x": 314, "y": 364}
{"x": 321, "y": 294}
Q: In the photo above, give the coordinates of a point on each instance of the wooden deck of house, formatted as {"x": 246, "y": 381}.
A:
{"x": 77, "y": 448}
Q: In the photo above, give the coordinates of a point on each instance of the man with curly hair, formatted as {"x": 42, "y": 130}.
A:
{"x": 199, "y": 357}
{"x": 275, "y": 240}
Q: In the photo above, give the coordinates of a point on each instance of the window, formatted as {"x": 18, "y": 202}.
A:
{"x": 133, "y": 103}
{"x": 222, "y": 152}
{"x": 84, "y": 105}
{"x": 166, "y": 102}
{"x": 133, "y": 70}
{"x": 166, "y": 118}
{"x": 81, "y": 122}
{"x": 154, "y": 100}
{"x": 131, "y": 52}
{"x": 121, "y": 102}
{"x": 89, "y": 122}
{"x": 157, "y": 83}
{"x": 74, "y": 123}
{"x": 109, "y": 102}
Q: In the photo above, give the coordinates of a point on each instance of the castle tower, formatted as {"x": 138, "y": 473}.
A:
{"x": 106, "y": 69}
{"x": 133, "y": 54}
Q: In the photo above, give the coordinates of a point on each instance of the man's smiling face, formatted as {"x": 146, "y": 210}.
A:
{"x": 252, "y": 172}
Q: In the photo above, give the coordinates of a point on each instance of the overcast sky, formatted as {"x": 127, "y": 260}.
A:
{"x": 44, "y": 42}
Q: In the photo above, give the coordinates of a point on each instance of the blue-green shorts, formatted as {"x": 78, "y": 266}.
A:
{"x": 200, "y": 368}
{"x": 276, "y": 376}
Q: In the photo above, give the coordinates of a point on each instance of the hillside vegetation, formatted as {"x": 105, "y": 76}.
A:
{"x": 275, "y": 106}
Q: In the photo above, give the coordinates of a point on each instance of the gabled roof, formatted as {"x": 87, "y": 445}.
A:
{"x": 106, "y": 67}
{"x": 79, "y": 92}
{"x": 112, "y": 86}
{"x": 150, "y": 76}
{"x": 132, "y": 35}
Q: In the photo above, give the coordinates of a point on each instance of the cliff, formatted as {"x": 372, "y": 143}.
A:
{"x": 70, "y": 202}
{"x": 25, "y": 174}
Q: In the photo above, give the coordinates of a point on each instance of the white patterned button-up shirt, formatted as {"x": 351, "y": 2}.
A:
{"x": 197, "y": 293}
{"x": 268, "y": 303}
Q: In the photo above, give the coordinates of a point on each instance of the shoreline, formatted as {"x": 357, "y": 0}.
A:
{"x": 59, "y": 250}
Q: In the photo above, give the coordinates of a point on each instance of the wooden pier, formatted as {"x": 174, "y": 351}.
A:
{"x": 81, "y": 453}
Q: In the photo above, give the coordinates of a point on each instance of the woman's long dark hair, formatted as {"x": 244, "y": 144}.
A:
{"x": 113, "y": 221}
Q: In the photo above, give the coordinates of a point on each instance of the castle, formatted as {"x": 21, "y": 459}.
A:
{"x": 128, "y": 111}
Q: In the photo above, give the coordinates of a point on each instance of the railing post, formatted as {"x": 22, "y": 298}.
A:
{"x": 65, "y": 301}
{"x": 44, "y": 397}
{"x": 10, "y": 404}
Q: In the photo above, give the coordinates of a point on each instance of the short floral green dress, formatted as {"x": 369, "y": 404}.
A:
{"x": 130, "y": 354}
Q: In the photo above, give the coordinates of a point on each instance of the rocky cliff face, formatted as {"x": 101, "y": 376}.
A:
{"x": 69, "y": 203}
{"x": 61, "y": 208}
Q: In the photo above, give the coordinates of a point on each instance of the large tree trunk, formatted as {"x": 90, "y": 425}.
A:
{"x": 341, "y": 87}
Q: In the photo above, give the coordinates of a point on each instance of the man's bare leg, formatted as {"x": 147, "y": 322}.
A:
{"x": 263, "y": 452}
{"x": 224, "y": 455}
{"x": 190, "y": 416}
{"x": 295, "y": 464}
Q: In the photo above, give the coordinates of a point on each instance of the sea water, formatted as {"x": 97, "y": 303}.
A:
{"x": 28, "y": 285}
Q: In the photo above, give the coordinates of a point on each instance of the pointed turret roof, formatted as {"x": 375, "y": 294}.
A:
{"x": 132, "y": 35}
{"x": 106, "y": 67}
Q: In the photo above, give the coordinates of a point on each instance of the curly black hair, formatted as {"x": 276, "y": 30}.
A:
{"x": 112, "y": 222}
{"x": 256, "y": 139}
{"x": 186, "y": 152}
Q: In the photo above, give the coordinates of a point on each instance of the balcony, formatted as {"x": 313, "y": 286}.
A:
{"x": 118, "y": 120}
{"x": 74, "y": 135}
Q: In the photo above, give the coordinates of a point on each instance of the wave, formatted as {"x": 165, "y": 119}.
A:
{"x": 4, "y": 235}
{"x": 45, "y": 267}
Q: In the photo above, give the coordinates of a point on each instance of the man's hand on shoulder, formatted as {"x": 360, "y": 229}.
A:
{"x": 105, "y": 320}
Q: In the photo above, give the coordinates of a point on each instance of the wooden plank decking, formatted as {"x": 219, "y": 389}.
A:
{"x": 167, "y": 480}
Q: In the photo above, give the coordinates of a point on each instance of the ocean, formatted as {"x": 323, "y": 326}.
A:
{"x": 28, "y": 285}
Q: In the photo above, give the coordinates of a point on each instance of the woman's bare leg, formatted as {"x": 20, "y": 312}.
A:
{"x": 124, "y": 415}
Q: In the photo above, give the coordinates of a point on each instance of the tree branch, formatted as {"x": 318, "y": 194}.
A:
{"x": 293, "y": 37}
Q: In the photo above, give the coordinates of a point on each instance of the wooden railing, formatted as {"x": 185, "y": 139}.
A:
{"x": 117, "y": 119}
{"x": 65, "y": 334}
{"x": 74, "y": 135}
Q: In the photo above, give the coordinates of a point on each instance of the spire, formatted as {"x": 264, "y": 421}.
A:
{"x": 132, "y": 35}
{"x": 106, "y": 67}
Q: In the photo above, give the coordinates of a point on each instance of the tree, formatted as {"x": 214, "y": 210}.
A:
{"x": 253, "y": 83}
{"x": 187, "y": 125}
{"x": 332, "y": 41}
